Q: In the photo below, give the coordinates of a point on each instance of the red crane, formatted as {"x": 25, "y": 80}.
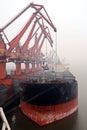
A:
{"x": 2, "y": 58}
{"x": 38, "y": 9}
{"x": 38, "y": 54}
{"x": 14, "y": 42}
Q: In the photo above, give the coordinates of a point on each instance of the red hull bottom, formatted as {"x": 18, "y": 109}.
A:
{"x": 43, "y": 115}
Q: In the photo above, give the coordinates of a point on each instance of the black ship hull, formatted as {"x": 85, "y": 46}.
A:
{"x": 49, "y": 93}
{"x": 48, "y": 99}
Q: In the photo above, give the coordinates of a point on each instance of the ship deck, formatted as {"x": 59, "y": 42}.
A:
{"x": 51, "y": 77}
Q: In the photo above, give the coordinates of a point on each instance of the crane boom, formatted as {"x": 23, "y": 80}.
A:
{"x": 35, "y": 6}
{"x": 25, "y": 45}
{"x": 39, "y": 49}
{"x": 3, "y": 28}
{"x": 47, "y": 34}
{"x": 18, "y": 37}
{"x": 35, "y": 45}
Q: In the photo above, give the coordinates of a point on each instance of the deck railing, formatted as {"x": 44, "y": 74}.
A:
{"x": 5, "y": 125}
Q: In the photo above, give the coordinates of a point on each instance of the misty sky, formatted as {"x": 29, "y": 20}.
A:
{"x": 70, "y": 19}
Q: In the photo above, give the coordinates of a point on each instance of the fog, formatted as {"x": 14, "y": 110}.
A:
{"x": 70, "y": 19}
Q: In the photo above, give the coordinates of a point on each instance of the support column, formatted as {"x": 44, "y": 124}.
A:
{"x": 33, "y": 68}
{"x": 18, "y": 68}
{"x": 37, "y": 66}
{"x": 2, "y": 70}
{"x": 27, "y": 67}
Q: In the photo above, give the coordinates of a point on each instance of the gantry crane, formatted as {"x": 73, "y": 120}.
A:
{"x": 13, "y": 44}
{"x": 36, "y": 49}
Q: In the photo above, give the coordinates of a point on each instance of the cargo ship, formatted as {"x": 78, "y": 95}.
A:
{"x": 50, "y": 96}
